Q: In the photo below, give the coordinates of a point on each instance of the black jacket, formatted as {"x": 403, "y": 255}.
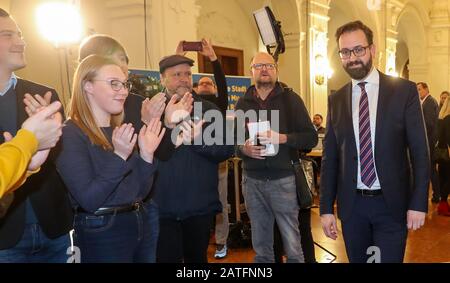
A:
{"x": 186, "y": 184}
{"x": 293, "y": 120}
{"x": 444, "y": 132}
{"x": 430, "y": 110}
{"x": 221, "y": 100}
{"x": 45, "y": 189}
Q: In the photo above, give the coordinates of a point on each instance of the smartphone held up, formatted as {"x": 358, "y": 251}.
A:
{"x": 192, "y": 46}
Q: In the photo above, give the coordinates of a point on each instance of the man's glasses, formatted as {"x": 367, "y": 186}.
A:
{"x": 259, "y": 66}
{"x": 358, "y": 51}
{"x": 117, "y": 85}
{"x": 206, "y": 84}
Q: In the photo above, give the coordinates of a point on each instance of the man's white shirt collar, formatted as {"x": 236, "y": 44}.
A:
{"x": 372, "y": 78}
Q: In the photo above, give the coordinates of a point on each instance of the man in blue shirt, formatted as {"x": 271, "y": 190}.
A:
{"x": 35, "y": 227}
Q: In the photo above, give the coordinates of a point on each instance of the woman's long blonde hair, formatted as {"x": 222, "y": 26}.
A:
{"x": 80, "y": 110}
{"x": 445, "y": 110}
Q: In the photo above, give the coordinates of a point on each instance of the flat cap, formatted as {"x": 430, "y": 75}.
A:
{"x": 173, "y": 60}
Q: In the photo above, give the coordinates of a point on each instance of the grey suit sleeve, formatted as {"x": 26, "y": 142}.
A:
{"x": 328, "y": 175}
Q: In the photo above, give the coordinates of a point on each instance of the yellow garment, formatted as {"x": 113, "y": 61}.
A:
{"x": 15, "y": 156}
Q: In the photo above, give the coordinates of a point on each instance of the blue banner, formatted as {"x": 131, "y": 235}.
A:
{"x": 147, "y": 83}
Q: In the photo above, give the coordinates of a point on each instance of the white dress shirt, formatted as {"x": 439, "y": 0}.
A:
{"x": 372, "y": 87}
{"x": 423, "y": 100}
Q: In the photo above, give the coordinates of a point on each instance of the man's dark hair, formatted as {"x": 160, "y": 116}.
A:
{"x": 448, "y": 93}
{"x": 354, "y": 26}
{"x": 321, "y": 118}
{"x": 423, "y": 85}
{"x": 3, "y": 13}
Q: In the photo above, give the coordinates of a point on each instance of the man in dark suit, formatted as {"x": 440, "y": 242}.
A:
{"x": 317, "y": 122}
{"x": 374, "y": 123}
{"x": 430, "y": 109}
{"x": 36, "y": 225}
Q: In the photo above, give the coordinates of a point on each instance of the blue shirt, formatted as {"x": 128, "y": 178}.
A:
{"x": 12, "y": 82}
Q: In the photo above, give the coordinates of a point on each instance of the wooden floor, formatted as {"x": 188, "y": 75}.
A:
{"x": 429, "y": 244}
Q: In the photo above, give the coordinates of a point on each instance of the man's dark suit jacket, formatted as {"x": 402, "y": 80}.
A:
{"x": 45, "y": 189}
{"x": 430, "y": 109}
{"x": 401, "y": 151}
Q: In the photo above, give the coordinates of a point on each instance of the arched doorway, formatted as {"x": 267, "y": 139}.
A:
{"x": 411, "y": 46}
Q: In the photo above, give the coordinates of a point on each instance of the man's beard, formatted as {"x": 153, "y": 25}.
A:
{"x": 265, "y": 85}
{"x": 360, "y": 72}
{"x": 180, "y": 91}
{"x": 205, "y": 93}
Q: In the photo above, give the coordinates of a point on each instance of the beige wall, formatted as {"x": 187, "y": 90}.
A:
{"x": 45, "y": 63}
{"x": 231, "y": 24}
{"x": 41, "y": 55}
{"x": 341, "y": 12}
{"x": 227, "y": 25}
{"x": 5, "y": 4}
{"x": 169, "y": 21}
{"x": 421, "y": 27}
{"x": 287, "y": 12}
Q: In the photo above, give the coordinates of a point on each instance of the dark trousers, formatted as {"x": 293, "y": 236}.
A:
{"x": 35, "y": 247}
{"x": 370, "y": 227}
{"x": 307, "y": 242}
{"x": 317, "y": 165}
{"x": 128, "y": 237}
{"x": 184, "y": 240}
{"x": 435, "y": 184}
{"x": 444, "y": 179}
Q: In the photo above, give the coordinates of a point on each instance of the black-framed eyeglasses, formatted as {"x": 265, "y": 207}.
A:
{"x": 259, "y": 66}
{"x": 117, "y": 85}
{"x": 206, "y": 84}
{"x": 358, "y": 51}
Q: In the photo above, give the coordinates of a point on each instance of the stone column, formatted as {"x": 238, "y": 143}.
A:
{"x": 318, "y": 56}
{"x": 393, "y": 9}
{"x": 439, "y": 48}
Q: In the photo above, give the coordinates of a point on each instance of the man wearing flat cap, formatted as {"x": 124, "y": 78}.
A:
{"x": 186, "y": 184}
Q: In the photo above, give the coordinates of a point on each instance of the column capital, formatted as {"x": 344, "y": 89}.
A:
{"x": 439, "y": 15}
{"x": 393, "y": 10}
{"x": 318, "y": 10}
{"x": 419, "y": 68}
{"x": 117, "y": 9}
{"x": 439, "y": 9}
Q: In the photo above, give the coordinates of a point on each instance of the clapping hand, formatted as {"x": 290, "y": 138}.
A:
{"x": 123, "y": 140}
{"x": 191, "y": 130}
{"x": 34, "y": 103}
{"x": 149, "y": 139}
{"x": 177, "y": 111}
{"x": 153, "y": 108}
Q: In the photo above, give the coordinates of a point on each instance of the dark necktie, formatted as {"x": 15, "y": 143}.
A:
{"x": 367, "y": 164}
